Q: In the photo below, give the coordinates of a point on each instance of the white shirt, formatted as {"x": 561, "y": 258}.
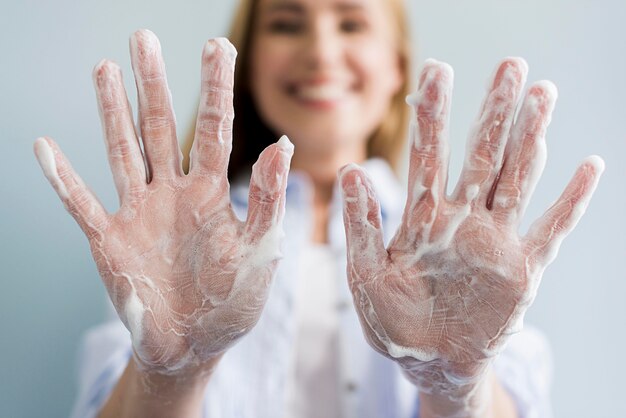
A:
{"x": 313, "y": 382}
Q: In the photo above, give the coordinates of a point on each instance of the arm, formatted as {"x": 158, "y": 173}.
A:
{"x": 142, "y": 394}
{"x": 456, "y": 280}
{"x": 187, "y": 278}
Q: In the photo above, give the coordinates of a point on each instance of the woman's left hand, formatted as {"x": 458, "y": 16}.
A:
{"x": 457, "y": 278}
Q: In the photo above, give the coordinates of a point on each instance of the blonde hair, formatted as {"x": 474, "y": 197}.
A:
{"x": 252, "y": 135}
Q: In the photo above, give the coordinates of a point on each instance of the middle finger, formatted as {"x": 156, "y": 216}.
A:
{"x": 488, "y": 138}
{"x": 156, "y": 115}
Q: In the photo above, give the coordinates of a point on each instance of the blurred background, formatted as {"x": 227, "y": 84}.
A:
{"x": 50, "y": 291}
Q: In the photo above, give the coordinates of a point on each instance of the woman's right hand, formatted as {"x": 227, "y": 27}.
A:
{"x": 187, "y": 278}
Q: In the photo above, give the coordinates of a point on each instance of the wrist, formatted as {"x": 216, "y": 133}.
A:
{"x": 147, "y": 393}
{"x": 185, "y": 370}
{"x": 182, "y": 382}
{"x": 452, "y": 390}
{"x": 471, "y": 400}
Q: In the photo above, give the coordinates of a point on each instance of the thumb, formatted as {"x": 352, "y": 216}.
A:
{"x": 361, "y": 214}
{"x": 266, "y": 198}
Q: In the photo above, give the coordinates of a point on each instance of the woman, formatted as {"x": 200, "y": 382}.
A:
{"x": 189, "y": 280}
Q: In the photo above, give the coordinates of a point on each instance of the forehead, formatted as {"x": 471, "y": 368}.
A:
{"x": 303, "y": 6}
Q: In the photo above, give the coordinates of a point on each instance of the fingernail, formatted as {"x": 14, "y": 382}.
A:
{"x": 282, "y": 156}
{"x": 597, "y": 163}
{"x": 222, "y": 43}
{"x": 143, "y": 43}
{"x": 350, "y": 190}
{"x": 285, "y": 144}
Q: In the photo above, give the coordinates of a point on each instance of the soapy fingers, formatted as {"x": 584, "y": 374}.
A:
{"x": 428, "y": 164}
{"x": 79, "y": 201}
{"x": 486, "y": 143}
{"x": 213, "y": 135}
{"x": 266, "y": 201}
{"x": 546, "y": 234}
{"x": 125, "y": 157}
{"x": 156, "y": 115}
{"x": 363, "y": 225}
{"x": 525, "y": 155}
{"x": 429, "y": 153}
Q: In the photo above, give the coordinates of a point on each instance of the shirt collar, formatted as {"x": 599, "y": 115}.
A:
{"x": 299, "y": 193}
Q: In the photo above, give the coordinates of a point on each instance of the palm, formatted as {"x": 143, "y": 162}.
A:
{"x": 182, "y": 264}
{"x": 187, "y": 278}
{"x": 457, "y": 278}
{"x": 449, "y": 293}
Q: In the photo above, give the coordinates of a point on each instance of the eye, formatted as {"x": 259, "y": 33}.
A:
{"x": 284, "y": 26}
{"x": 353, "y": 25}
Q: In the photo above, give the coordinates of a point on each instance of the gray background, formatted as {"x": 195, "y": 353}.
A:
{"x": 50, "y": 291}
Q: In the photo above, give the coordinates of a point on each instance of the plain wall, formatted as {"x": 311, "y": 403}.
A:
{"x": 51, "y": 293}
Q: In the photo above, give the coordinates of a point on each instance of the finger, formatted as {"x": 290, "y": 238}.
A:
{"x": 546, "y": 234}
{"x": 266, "y": 199}
{"x": 213, "y": 136}
{"x": 156, "y": 115}
{"x": 485, "y": 146}
{"x": 428, "y": 164}
{"x": 125, "y": 158}
{"x": 525, "y": 154}
{"x": 76, "y": 197}
{"x": 362, "y": 221}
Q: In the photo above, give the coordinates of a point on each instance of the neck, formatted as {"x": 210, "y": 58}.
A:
{"x": 322, "y": 167}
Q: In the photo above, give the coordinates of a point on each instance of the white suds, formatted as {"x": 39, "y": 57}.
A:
{"x": 597, "y": 162}
{"x": 267, "y": 249}
{"x": 224, "y": 44}
{"x": 45, "y": 156}
{"x": 285, "y": 144}
{"x": 134, "y": 311}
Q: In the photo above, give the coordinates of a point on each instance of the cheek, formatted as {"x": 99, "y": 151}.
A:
{"x": 379, "y": 70}
{"x": 268, "y": 71}
{"x": 261, "y": 74}
{"x": 267, "y": 66}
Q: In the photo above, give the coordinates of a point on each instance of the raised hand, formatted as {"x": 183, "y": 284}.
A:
{"x": 457, "y": 278}
{"x": 187, "y": 278}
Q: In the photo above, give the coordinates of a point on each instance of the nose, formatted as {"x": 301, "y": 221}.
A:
{"x": 323, "y": 46}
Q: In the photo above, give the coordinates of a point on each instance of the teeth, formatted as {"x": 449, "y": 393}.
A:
{"x": 326, "y": 92}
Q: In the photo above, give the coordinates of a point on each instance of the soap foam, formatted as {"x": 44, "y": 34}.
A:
{"x": 134, "y": 311}
{"x": 46, "y": 157}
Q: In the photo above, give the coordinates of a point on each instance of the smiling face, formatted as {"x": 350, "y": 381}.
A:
{"x": 324, "y": 71}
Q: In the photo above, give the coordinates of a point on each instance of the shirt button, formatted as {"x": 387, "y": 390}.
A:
{"x": 342, "y": 305}
{"x": 351, "y": 387}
